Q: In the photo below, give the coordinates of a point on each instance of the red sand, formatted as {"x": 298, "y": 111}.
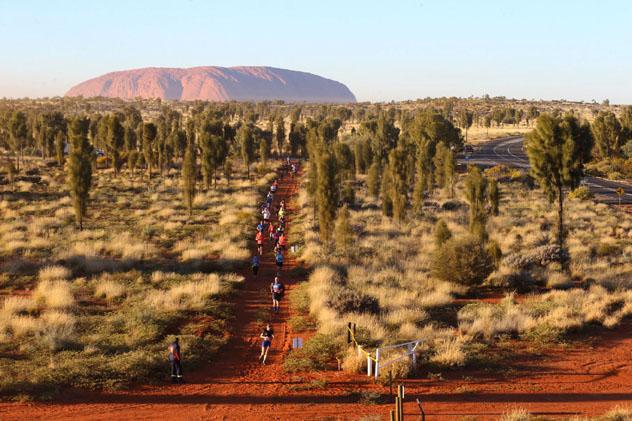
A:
{"x": 561, "y": 382}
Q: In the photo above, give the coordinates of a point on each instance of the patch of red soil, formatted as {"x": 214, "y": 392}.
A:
{"x": 587, "y": 378}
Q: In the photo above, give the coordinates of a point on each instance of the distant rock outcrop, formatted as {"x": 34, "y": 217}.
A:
{"x": 215, "y": 84}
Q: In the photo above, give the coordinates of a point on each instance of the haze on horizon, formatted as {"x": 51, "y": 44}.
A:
{"x": 576, "y": 50}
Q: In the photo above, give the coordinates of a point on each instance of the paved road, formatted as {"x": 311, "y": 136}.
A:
{"x": 508, "y": 151}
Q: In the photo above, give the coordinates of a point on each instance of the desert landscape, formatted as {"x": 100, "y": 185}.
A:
{"x": 316, "y": 211}
{"x": 466, "y": 263}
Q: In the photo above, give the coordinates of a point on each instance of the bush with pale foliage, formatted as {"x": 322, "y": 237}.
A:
{"x": 54, "y": 295}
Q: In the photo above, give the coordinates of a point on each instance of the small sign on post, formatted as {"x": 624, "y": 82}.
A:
{"x": 620, "y": 192}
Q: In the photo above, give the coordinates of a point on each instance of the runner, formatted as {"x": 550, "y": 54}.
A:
{"x": 281, "y": 212}
{"x": 175, "y": 360}
{"x": 282, "y": 241}
{"x": 277, "y": 289}
{"x": 279, "y": 260}
{"x": 261, "y": 226}
{"x": 271, "y": 231}
{"x": 255, "y": 264}
{"x": 267, "y": 335}
{"x": 275, "y": 185}
{"x": 266, "y": 214}
{"x": 259, "y": 239}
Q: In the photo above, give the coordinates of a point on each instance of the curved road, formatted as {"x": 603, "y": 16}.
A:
{"x": 509, "y": 152}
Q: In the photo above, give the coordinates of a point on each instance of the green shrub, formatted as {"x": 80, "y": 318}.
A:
{"x": 581, "y": 193}
{"x": 302, "y": 323}
{"x": 299, "y": 298}
{"x": 346, "y": 300}
{"x": 347, "y": 195}
{"x": 441, "y": 233}
{"x": 462, "y": 260}
{"x": 317, "y": 354}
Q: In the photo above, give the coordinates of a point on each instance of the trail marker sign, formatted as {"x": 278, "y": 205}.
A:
{"x": 620, "y": 192}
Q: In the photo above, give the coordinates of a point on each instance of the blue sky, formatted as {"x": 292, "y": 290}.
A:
{"x": 382, "y": 50}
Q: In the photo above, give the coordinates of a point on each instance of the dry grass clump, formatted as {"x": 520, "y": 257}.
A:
{"x": 24, "y": 326}
{"x": 558, "y": 280}
{"x": 192, "y": 295}
{"x": 556, "y": 310}
{"x": 54, "y": 295}
{"x": 110, "y": 290}
{"x": 51, "y": 273}
{"x": 618, "y": 413}
{"x": 449, "y": 352}
{"x": 519, "y": 414}
{"x": 17, "y": 305}
{"x": 57, "y": 328}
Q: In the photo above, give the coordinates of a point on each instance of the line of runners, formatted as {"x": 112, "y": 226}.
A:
{"x": 275, "y": 234}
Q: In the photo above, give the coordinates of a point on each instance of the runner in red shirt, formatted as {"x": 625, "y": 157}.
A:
{"x": 259, "y": 240}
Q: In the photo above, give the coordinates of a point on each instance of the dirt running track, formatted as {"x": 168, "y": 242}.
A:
{"x": 587, "y": 378}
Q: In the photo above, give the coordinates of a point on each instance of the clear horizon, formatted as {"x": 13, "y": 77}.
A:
{"x": 574, "y": 50}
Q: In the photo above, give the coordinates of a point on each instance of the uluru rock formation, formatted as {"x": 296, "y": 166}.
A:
{"x": 211, "y": 83}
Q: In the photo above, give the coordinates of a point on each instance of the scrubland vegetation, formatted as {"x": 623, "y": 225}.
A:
{"x": 419, "y": 251}
{"x": 617, "y": 413}
{"x": 117, "y": 234}
{"x": 95, "y": 308}
{"x": 386, "y": 284}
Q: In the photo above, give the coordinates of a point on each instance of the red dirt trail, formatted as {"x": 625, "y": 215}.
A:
{"x": 587, "y": 378}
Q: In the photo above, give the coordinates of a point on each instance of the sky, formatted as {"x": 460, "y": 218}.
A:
{"x": 382, "y": 50}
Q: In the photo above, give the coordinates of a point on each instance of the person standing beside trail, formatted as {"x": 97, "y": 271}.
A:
{"x": 267, "y": 335}
{"x": 175, "y": 360}
{"x": 277, "y": 289}
{"x": 259, "y": 240}
{"x": 255, "y": 264}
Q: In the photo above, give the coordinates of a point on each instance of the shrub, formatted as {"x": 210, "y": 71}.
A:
{"x": 54, "y": 295}
{"x": 317, "y": 354}
{"x": 538, "y": 256}
{"x": 581, "y": 193}
{"x": 399, "y": 369}
{"x": 559, "y": 280}
{"x": 347, "y": 300}
{"x": 347, "y": 195}
{"x": 354, "y": 361}
{"x": 302, "y": 323}
{"x": 462, "y": 260}
{"x": 495, "y": 253}
{"x": 441, "y": 233}
{"x": 299, "y": 298}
